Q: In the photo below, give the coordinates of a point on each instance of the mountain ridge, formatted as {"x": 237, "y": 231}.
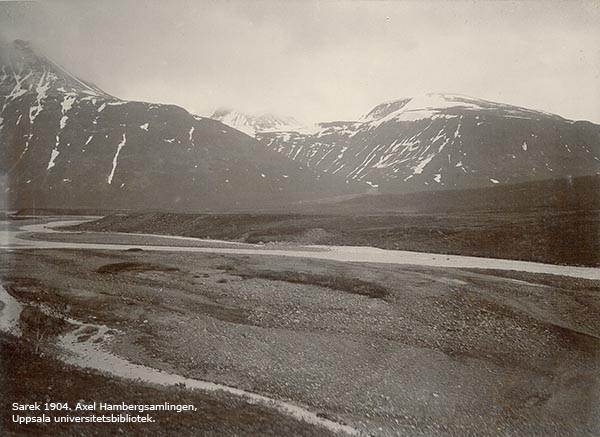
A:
{"x": 66, "y": 143}
{"x": 445, "y": 141}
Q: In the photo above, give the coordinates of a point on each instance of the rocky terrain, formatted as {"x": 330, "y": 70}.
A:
{"x": 386, "y": 349}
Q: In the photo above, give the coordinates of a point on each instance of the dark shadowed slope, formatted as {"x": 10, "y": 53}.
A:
{"x": 572, "y": 194}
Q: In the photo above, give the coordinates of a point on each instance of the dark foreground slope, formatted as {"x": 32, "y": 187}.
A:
{"x": 570, "y": 194}
{"x": 64, "y": 143}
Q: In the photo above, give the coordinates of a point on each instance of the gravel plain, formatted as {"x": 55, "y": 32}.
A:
{"x": 441, "y": 352}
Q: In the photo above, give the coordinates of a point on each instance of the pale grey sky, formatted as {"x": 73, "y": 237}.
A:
{"x": 323, "y": 60}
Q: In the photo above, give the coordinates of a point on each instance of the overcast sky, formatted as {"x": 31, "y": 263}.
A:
{"x": 323, "y": 60}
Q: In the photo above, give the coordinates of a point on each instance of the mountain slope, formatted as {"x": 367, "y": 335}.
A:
{"x": 253, "y": 124}
{"x": 550, "y": 195}
{"x": 445, "y": 141}
{"x": 66, "y": 143}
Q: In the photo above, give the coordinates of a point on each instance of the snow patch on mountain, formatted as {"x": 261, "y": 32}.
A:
{"x": 116, "y": 159}
{"x": 67, "y": 102}
{"x": 41, "y": 89}
{"x": 418, "y": 169}
{"x": 53, "y": 155}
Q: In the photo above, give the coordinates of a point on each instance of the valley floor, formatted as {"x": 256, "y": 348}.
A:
{"x": 386, "y": 349}
{"x": 564, "y": 237}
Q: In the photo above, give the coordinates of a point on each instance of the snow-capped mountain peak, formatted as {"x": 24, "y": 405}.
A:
{"x": 23, "y": 67}
{"x": 433, "y": 105}
{"x": 445, "y": 141}
{"x": 252, "y": 124}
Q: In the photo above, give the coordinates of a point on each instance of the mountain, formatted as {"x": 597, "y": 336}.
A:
{"x": 66, "y": 143}
{"x": 548, "y": 196}
{"x": 253, "y": 124}
{"x": 445, "y": 141}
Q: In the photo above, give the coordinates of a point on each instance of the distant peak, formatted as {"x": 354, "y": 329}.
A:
{"x": 252, "y": 124}
{"x": 429, "y": 105}
{"x": 36, "y": 70}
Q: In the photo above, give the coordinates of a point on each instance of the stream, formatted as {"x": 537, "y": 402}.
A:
{"x": 12, "y": 240}
{"x": 86, "y": 347}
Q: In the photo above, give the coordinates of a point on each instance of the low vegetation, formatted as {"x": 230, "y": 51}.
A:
{"x": 28, "y": 376}
{"x": 339, "y": 283}
{"x": 133, "y": 267}
{"x": 554, "y": 237}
